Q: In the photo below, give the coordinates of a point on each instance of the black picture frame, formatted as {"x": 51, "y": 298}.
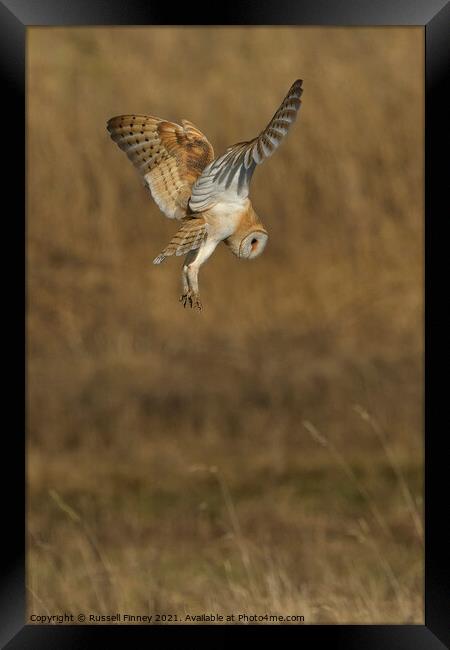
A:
{"x": 15, "y": 17}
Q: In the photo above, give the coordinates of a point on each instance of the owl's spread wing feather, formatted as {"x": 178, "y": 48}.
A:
{"x": 169, "y": 157}
{"x": 188, "y": 238}
{"x": 227, "y": 178}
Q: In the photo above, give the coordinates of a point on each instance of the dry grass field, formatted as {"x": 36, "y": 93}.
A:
{"x": 264, "y": 455}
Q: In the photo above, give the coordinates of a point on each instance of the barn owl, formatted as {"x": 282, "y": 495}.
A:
{"x": 207, "y": 195}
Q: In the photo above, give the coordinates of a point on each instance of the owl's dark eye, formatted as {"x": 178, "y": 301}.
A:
{"x": 254, "y": 242}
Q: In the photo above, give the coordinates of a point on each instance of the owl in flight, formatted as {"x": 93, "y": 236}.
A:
{"x": 207, "y": 195}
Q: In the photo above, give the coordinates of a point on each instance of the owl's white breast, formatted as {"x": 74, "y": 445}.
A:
{"x": 224, "y": 217}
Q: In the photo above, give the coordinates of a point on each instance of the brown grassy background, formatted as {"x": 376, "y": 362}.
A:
{"x": 264, "y": 455}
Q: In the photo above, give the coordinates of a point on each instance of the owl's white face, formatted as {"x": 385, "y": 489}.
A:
{"x": 253, "y": 245}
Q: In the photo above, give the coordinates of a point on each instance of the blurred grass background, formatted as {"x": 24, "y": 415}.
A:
{"x": 264, "y": 455}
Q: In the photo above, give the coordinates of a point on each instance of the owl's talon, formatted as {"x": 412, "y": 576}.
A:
{"x": 192, "y": 299}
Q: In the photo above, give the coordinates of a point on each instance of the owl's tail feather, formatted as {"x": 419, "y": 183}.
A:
{"x": 189, "y": 237}
{"x": 161, "y": 257}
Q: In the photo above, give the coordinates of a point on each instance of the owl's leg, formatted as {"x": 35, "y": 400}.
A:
{"x": 186, "y": 295}
{"x": 191, "y": 268}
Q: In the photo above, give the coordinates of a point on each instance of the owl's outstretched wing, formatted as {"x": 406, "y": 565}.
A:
{"x": 169, "y": 157}
{"x": 227, "y": 178}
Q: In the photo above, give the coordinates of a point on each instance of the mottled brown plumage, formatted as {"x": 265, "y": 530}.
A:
{"x": 170, "y": 157}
